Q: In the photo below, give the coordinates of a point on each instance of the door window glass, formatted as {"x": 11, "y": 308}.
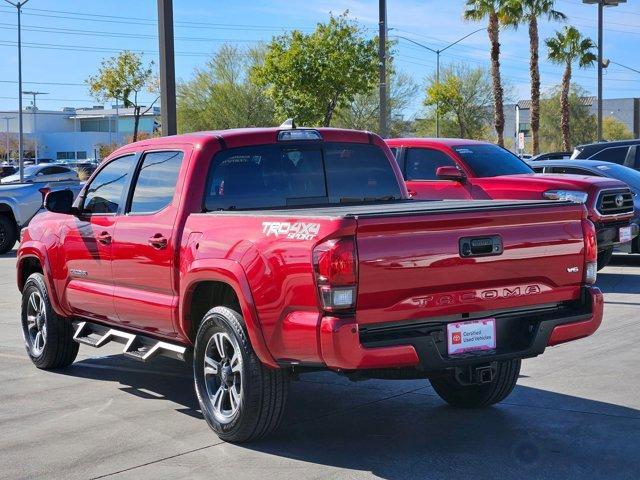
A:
{"x": 422, "y": 163}
{"x": 104, "y": 193}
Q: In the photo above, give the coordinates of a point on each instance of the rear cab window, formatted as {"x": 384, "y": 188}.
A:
{"x": 293, "y": 175}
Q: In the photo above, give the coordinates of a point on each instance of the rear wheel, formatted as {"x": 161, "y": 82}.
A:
{"x": 241, "y": 399}
{"x": 48, "y": 338}
{"x": 477, "y": 396}
{"x": 8, "y": 234}
{"x": 604, "y": 257}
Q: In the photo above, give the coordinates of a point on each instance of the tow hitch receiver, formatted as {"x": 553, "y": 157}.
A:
{"x": 475, "y": 374}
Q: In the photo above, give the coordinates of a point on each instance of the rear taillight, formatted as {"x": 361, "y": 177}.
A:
{"x": 335, "y": 264}
{"x": 590, "y": 252}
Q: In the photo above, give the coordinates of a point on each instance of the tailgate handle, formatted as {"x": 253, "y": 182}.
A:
{"x": 480, "y": 246}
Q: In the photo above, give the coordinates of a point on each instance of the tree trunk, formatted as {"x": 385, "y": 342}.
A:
{"x": 564, "y": 107}
{"x": 329, "y": 112}
{"x": 498, "y": 107}
{"x": 535, "y": 84}
{"x": 136, "y": 121}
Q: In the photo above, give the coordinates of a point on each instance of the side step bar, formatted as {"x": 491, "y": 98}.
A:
{"x": 136, "y": 346}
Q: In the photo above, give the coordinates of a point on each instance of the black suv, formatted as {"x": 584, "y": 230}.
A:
{"x": 623, "y": 152}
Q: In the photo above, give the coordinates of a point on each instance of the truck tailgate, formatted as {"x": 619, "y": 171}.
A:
{"x": 411, "y": 266}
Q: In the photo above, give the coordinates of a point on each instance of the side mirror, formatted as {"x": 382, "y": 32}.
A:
{"x": 60, "y": 201}
{"x": 451, "y": 173}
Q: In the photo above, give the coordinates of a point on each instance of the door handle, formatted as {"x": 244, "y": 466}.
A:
{"x": 158, "y": 241}
{"x": 104, "y": 238}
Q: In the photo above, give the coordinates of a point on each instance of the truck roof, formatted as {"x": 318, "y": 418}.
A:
{"x": 425, "y": 142}
{"x": 254, "y": 136}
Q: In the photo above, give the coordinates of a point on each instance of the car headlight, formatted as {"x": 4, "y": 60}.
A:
{"x": 570, "y": 195}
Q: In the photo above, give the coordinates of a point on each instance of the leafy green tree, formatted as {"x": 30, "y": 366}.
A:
{"x": 496, "y": 13}
{"x": 582, "y": 128}
{"x": 566, "y": 48}
{"x": 223, "y": 95}
{"x": 123, "y": 77}
{"x": 309, "y": 76}
{"x": 528, "y": 12}
{"x": 363, "y": 112}
{"x": 613, "y": 129}
{"x": 463, "y": 97}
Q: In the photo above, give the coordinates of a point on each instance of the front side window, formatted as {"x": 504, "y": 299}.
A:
{"x": 422, "y": 163}
{"x": 277, "y": 176}
{"x": 488, "y": 160}
{"x": 104, "y": 193}
{"x": 156, "y": 182}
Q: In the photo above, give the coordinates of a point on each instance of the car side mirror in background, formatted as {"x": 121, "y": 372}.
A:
{"x": 451, "y": 173}
{"x": 60, "y": 201}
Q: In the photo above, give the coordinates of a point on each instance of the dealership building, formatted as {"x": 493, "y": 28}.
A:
{"x": 517, "y": 116}
{"x": 77, "y": 133}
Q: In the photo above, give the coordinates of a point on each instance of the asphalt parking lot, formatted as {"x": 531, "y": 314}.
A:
{"x": 574, "y": 414}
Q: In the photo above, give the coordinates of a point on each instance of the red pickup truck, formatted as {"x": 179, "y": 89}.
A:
{"x": 255, "y": 254}
{"x": 447, "y": 168}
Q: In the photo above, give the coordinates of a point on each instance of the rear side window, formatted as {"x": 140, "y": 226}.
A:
{"x": 422, "y": 163}
{"x": 614, "y": 154}
{"x": 276, "y": 176}
{"x": 156, "y": 182}
{"x": 104, "y": 193}
{"x": 572, "y": 171}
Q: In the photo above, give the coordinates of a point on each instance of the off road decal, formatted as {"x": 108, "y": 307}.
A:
{"x": 292, "y": 231}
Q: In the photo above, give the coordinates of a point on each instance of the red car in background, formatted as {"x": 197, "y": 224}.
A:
{"x": 447, "y": 168}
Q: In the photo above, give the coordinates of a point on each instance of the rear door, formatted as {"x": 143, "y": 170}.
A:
{"x": 420, "y": 166}
{"x": 87, "y": 242}
{"x": 145, "y": 246}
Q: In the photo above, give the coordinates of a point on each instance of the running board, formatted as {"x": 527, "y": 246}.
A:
{"x": 136, "y": 346}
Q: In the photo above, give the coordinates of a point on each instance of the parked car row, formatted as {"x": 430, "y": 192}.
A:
{"x": 256, "y": 254}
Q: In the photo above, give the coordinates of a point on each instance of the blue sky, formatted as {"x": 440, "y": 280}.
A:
{"x": 64, "y": 40}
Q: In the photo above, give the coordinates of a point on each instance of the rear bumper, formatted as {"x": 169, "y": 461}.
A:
{"x": 609, "y": 234}
{"x": 423, "y": 344}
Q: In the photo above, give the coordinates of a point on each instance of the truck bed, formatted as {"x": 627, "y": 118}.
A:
{"x": 398, "y": 208}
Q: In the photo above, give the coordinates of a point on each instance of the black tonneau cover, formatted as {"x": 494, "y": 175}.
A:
{"x": 406, "y": 207}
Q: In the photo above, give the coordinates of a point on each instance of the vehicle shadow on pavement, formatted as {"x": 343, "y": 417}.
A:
{"x": 401, "y": 429}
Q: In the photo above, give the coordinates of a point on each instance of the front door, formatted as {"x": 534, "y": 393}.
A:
{"x": 145, "y": 247}
{"x": 87, "y": 243}
{"x": 421, "y": 165}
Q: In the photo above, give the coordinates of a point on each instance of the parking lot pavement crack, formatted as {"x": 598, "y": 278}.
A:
{"x": 118, "y": 472}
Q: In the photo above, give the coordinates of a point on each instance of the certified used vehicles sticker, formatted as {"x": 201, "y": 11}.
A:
{"x": 292, "y": 231}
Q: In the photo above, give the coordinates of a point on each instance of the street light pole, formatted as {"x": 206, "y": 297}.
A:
{"x": 438, "y": 52}
{"x": 601, "y": 4}
{"x": 7, "y": 118}
{"x": 167, "y": 67}
{"x": 33, "y": 111}
{"x": 19, "y": 6}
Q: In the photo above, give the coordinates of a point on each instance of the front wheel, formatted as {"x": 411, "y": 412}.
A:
{"x": 604, "y": 257}
{"x": 241, "y": 399}
{"x": 48, "y": 338}
{"x": 477, "y": 396}
{"x": 8, "y": 234}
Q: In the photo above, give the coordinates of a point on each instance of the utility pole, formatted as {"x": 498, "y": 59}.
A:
{"x": 438, "y": 52}
{"x": 167, "y": 67}
{"x": 382, "y": 56}
{"x": 7, "y": 118}
{"x": 19, "y": 6}
{"x": 34, "y": 112}
{"x": 601, "y": 65}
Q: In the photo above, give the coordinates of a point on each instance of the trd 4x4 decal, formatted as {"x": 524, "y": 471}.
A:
{"x": 293, "y": 231}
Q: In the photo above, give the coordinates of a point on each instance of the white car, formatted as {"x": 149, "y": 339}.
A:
{"x": 43, "y": 173}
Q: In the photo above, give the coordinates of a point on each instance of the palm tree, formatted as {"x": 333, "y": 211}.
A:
{"x": 496, "y": 12}
{"x": 528, "y": 12}
{"x": 564, "y": 49}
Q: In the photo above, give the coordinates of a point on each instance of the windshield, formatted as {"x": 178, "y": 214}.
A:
{"x": 488, "y": 160}
{"x": 627, "y": 175}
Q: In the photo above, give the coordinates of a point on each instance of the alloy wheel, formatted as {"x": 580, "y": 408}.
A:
{"x": 223, "y": 376}
{"x": 36, "y": 328}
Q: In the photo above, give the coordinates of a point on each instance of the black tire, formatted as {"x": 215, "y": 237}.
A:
{"x": 8, "y": 234}
{"x": 604, "y": 257}
{"x": 478, "y": 396}
{"x": 262, "y": 391}
{"x": 58, "y": 349}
